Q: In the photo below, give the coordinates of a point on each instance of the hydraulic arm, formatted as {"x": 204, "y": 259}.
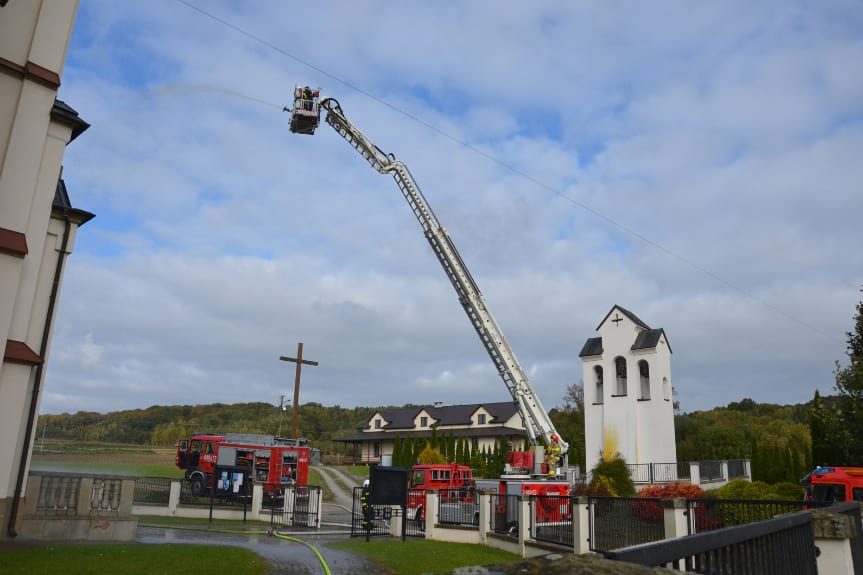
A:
{"x": 536, "y": 420}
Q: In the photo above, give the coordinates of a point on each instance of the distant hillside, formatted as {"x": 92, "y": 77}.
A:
{"x": 775, "y": 437}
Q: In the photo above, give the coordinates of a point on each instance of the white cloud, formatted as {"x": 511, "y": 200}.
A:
{"x": 697, "y": 165}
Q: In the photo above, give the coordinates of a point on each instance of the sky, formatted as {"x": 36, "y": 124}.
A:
{"x": 698, "y": 164}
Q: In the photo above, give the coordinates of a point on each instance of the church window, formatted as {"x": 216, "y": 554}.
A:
{"x": 620, "y": 370}
{"x": 666, "y": 391}
{"x": 644, "y": 373}
{"x": 597, "y": 372}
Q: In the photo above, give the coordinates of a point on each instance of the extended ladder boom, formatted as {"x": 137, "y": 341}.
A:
{"x": 539, "y": 425}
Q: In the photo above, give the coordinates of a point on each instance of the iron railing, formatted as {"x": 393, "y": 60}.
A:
{"x": 458, "y": 506}
{"x": 710, "y": 470}
{"x": 618, "y": 522}
{"x": 711, "y": 514}
{"x": 552, "y": 519}
{"x": 504, "y": 514}
{"x": 152, "y": 490}
{"x": 781, "y": 546}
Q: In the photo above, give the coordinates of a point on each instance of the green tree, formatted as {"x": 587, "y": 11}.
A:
{"x": 431, "y": 455}
{"x": 836, "y": 425}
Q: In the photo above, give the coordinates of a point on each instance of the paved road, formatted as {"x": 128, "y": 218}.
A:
{"x": 340, "y": 482}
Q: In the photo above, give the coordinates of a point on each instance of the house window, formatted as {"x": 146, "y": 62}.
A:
{"x": 597, "y": 372}
{"x": 644, "y": 374}
{"x": 620, "y": 370}
{"x": 377, "y": 424}
{"x": 424, "y": 421}
{"x": 377, "y": 448}
{"x": 480, "y": 419}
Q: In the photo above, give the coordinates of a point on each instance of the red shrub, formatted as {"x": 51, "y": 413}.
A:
{"x": 652, "y": 511}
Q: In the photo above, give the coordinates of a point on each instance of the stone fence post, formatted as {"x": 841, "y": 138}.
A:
{"x": 833, "y": 534}
{"x": 431, "y": 512}
{"x": 174, "y": 497}
{"x": 580, "y": 525}
{"x": 675, "y": 519}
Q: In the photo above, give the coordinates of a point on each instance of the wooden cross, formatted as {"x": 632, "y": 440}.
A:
{"x": 299, "y": 361}
{"x": 617, "y": 319}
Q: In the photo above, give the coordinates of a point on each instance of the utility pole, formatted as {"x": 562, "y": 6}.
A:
{"x": 299, "y": 361}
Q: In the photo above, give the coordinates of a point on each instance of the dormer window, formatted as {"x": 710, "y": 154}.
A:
{"x": 424, "y": 421}
{"x": 480, "y": 419}
{"x": 377, "y": 424}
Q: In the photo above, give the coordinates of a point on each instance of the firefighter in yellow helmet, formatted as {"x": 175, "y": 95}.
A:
{"x": 552, "y": 454}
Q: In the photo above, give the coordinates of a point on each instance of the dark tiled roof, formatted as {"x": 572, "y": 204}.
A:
{"x": 63, "y": 112}
{"x": 446, "y": 415}
{"x": 62, "y": 202}
{"x": 592, "y": 346}
{"x": 649, "y": 339}
{"x": 627, "y": 313}
{"x": 461, "y": 432}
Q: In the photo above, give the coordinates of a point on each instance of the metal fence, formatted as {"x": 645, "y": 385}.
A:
{"x": 736, "y": 468}
{"x": 781, "y": 546}
{"x": 242, "y": 498}
{"x": 504, "y": 514}
{"x": 710, "y": 470}
{"x": 711, "y": 514}
{"x": 152, "y": 490}
{"x": 618, "y": 522}
{"x": 458, "y": 506}
{"x": 378, "y": 519}
{"x": 297, "y": 506}
{"x": 552, "y": 519}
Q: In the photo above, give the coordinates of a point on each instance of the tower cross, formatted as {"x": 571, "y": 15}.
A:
{"x": 617, "y": 319}
{"x": 299, "y": 361}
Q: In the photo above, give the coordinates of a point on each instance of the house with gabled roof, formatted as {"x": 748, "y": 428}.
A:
{"x": 482, "y": 424}
{"x": 628, "y": 407}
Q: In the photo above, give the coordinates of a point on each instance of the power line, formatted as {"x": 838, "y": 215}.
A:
{"x": 681, "y": 258}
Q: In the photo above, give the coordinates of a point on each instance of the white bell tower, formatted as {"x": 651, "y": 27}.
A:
{"x": 628, "y": 407}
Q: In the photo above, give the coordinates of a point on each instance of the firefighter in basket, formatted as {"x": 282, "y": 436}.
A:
{"x": 552, "y": 455}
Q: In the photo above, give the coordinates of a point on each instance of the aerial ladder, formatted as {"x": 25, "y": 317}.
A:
{"x": 305, "y": 118}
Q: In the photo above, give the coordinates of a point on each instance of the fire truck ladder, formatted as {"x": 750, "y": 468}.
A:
{"x": 537, "y": 422}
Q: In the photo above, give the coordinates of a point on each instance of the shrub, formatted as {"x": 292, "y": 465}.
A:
{"x": 789, "y": 491}
{"x": 652, "y": 511}
{"x": 615, "y": 471}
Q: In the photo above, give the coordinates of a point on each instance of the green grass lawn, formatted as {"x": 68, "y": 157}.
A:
{"x": 165, "y": 559}
{"x": 415, "y": 557}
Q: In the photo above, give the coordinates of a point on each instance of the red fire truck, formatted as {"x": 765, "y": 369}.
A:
{"x": 826, "y": 485}
{"x": 272, "y": 461}
{"x": 456, "y": 489}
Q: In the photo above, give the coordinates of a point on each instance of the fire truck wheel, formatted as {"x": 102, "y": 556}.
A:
{"x": 197, "y": 486}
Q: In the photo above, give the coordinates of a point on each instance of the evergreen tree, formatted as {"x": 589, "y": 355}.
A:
{"x": 398, "y": 455}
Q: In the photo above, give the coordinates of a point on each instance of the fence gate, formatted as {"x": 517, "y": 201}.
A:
{"x": 379, "y": 519}
{"x": 298, "y": 506}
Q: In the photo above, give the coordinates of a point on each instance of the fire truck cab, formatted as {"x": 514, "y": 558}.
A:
{"x": 827, "y": 485}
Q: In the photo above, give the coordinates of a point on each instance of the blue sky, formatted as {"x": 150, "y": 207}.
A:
{"x": 696, "y": 164}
